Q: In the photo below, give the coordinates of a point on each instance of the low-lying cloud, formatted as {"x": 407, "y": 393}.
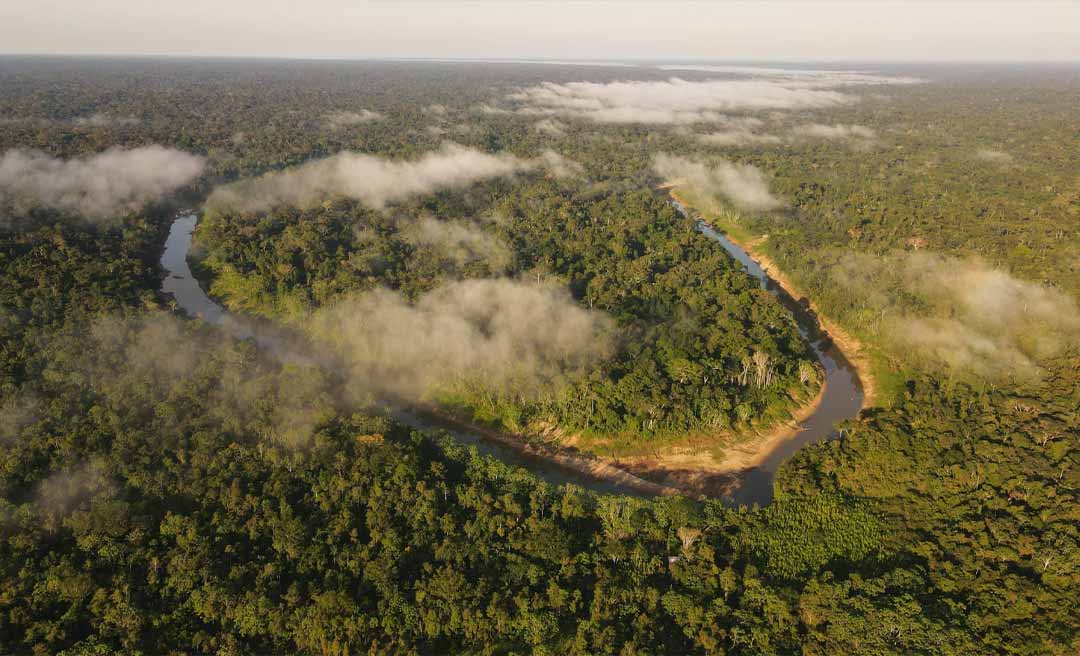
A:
{"x": 376, "y": 181}
{"x": 458, "y": 245}
{"x": 104, "y": 121}
{"x": 741, "y": 184}
{"x": 16, "y": 413}
{"x": 97, "y": 187}
{"x": 738, "y": 137}
{"x": 802, "y": 76}
{"x": 993, "y": 156}
{"x": 551, "y": 127}
{"x": 557, "y": 165}
{"x": 497, "y": 337}
{"x": 504, "y": 336}
{"x": 675, "y": 101}
{"x": 739, "y": 131}
{"x": 680, "y": 101}
{"x": 963, "y": 315}
{"x": 66, "y": 489}
{"x": 837, "y": 132}
{"x": 344, "y": 119}
{"x": 158, "y": 357}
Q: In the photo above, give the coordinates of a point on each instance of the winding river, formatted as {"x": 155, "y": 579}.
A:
{"x": 841, "y": 397}
{"x": 184, "y": 287}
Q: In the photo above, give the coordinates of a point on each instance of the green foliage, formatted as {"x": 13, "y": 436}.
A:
{"x": 801, "y": 536}
{"x": 56, "y": 275}
{"x": 167, "y": 490}
{"x": 687, "y": 314}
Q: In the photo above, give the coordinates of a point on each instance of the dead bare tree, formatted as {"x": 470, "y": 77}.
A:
{"x": 1047, "y": 438}
{"x": 763, "y": 369}
{"x": 745, "y": 374}
{"x": 688, "y": 536}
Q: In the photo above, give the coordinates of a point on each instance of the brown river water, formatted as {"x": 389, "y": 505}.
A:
{"x": 841, "y": 398}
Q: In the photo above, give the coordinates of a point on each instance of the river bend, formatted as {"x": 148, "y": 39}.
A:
{"x": 840, "y": 399}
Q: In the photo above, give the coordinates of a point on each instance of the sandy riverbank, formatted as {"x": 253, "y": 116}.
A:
{"x": 853, "y": 349}
{"x": 693, "y": 469}
{"x": 699, "y": 466}
{"x": 594, "y": 467}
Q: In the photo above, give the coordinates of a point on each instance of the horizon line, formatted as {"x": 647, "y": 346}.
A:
{"x": 622, "y": 62}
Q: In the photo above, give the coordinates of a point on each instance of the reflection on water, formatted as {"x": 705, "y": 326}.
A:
{"x": 179, "y": 283}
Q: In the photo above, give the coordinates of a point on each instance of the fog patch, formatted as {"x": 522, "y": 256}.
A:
{"x": 738, "y": 137}
{"x": 741, "y": 184}
{"x": 149, "y": 364}
{"x": 500, "y": 335}
{"x": 486, "y": 108}
{"x": 458, "y": 244}
{"x": 16, "y": 413}
{"x": 802, "y": 76}
{"x": 376, "y": 181}
{"x": 343, "y": 119}
{"x": 962, "y": 314}
{"x": 551, "y": 127}
{"x": 837, "y": 132}
{"x": 97, "y": 187}
{"x": 104, "y": 121}
{"x": 67, "y": 489}
{"x": 991, "y": 156}
{"x": 675, "y": 101}
{"x": 558, "y": 166}
{"x": 680, "y": 101}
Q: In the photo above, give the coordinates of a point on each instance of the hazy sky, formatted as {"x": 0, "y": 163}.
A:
{"x": 564, "y": 29}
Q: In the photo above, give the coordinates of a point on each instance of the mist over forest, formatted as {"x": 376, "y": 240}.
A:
{"x": 485, "y": 384}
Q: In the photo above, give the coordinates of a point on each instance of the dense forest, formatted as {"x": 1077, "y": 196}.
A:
{"x": 167, "y": 488}
{"x": 689, "y": 318}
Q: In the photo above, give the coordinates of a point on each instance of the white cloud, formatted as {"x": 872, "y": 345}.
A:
{"x": 458, "y": 244}
{"x": 799, "y": 76}
{"x": 485, "y": 108}
{"x": 551, "y": 127}
{"x": 539, "y": 62}
{"x": 104, "y": 120}
{"x": 742, "y": 184}
{"x": 993, "y": 156}
{"x": 963, "y": 314}
{"x": 738, "y": 137}
{"x": 680, "y": 101}
{"x": 99, "y": 186}
{"x": 557, "y": 165}
{"x": 504, "y": 335}
{"x": 672, "y": 102}
{"x": 344, "y": 119}
{"x": 836, "y": 132}
{"x": 377, "y": 181}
